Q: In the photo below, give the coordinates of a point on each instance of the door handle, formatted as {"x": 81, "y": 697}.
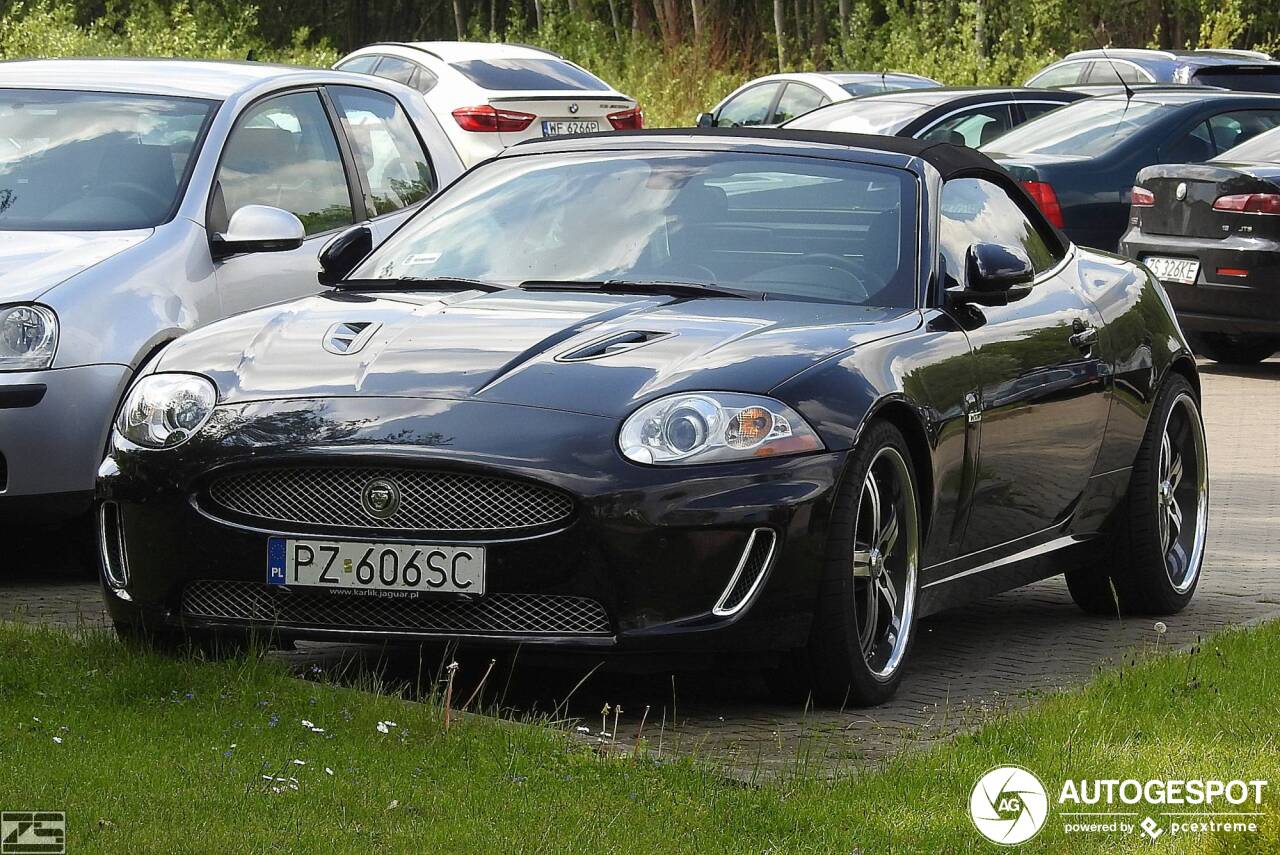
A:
{"x": 1084, "y": 337}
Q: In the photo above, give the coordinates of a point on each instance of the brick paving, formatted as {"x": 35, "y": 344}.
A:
{"x": 994, "y": 655}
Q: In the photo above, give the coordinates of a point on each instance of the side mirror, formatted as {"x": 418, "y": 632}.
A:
{"x": 995, "y": 274}
{"x": 259, "y": 228}
{"x": 705, "y": 120}
{"x": 341, "y": 255}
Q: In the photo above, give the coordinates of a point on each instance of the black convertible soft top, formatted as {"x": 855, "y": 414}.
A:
{"x": 950, "y": 160}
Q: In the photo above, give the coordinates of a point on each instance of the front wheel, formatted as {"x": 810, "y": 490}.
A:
{"x": 1233, "y": 349}
{"x": 1156, "y": 547}
{"x": 866, "y": 612}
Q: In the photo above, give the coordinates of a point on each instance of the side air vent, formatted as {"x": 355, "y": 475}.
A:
{"x": 614, "y": 344}
{"x": 4, "y": 473}
{"x": 111, "y": 545}
{"x": 752, "y": 568}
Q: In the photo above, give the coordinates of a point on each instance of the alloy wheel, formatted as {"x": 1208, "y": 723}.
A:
{"x": 885, "y": 560}
{"x": 1182, "y": 493}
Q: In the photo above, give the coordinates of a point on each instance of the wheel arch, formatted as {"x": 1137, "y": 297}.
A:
{"x": 911, "y": 424}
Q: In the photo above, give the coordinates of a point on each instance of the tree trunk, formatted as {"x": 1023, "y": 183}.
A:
{"x": 617, "y": 26}
{"x": 818, "y": 15}
{"x": 459, "y": 20}
{"x": 493, "y": 16}
{"x": 844, "y": 18}
{"x": 779, "y": 30}
{"x": 537, "y": 14}
{"x": 696, "y": 7}
{"x": 980, "y": 35}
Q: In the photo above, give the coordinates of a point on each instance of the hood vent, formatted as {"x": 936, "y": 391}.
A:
{"x": 613, "y": 344}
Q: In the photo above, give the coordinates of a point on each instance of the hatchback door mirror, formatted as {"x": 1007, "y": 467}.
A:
{"x": 706, "y": 120}
{"x": 995, "y": 275}
{"x": 259, "y": 228}
{"x": 341, "y": 255}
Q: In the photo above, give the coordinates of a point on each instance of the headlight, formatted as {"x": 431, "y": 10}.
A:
{"x": 164, "y": 410}
{"x": 28, "y": 337}
{"x": 708, "y": 427}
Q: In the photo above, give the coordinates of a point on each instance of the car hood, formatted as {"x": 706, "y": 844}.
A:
{"x": 32, "y": 262}
{"x": 587, "y": 353}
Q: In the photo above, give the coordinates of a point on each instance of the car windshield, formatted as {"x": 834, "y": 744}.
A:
{"x": 529, "y": 74}
{"x": 1085, "y": 128}
{"x": 89, "y": 161}
{"x": 778, "y": 225}
{"x": 1264, "y": 148}
{"x": 870, "y": 116}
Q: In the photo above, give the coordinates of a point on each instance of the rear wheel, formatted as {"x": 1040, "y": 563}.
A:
{"x": 866, "y": 610}
{"x": 1156, "y": 548}
{"x": 1233, "y": 349}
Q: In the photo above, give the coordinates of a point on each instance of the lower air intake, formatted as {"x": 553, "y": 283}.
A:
{"x": 752, "y": 567}
{"x": 495, "y": 614}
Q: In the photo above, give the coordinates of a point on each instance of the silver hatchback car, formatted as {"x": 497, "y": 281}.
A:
{"x": 141, "y": 199}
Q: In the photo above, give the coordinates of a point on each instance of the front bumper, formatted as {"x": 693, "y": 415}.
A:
{"x": 53, "y": 430}
{"x": 1217, "y": 302}
{"x": 655, "y": 547}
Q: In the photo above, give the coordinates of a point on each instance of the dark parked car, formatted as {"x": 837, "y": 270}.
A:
{"x": 1211, "y": 233}
{"x": 769, "y": 101}
{"x": 774, "y": 394}
{"x": 1244, "y": 70}
{"x": 959, "y": 115}
{"x": 1079, "y": 162}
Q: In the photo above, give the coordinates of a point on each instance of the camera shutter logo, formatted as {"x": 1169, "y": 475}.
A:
{"x": 33, "y": 832}
{"x": 380, "y": 498}
{"x": 1008, "y": 805}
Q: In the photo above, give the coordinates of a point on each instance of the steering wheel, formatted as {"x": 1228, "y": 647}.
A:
{"x": 856, "y": 285}
{"x": 151, "y": 200}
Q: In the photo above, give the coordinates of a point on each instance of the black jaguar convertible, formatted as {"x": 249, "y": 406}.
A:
{"x": 775, "y": 394}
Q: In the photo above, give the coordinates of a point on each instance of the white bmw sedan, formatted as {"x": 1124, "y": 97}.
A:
{"x": 141, "y": 199}
{"x": 489, "y": 96}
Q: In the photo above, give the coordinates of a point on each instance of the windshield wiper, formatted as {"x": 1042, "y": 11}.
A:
{"x": 637, "y": 286}
{"x": 422, "y": 283}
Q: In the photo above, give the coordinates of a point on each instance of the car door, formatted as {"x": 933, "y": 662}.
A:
{"x": 749, "y": 108}
{"x": 796, "y": 100}
{"x": 282, "y": 152}
{"x": 1041, "y": 403}
{"x": 1061, "y": 74}
{"x": 392, "y": 166}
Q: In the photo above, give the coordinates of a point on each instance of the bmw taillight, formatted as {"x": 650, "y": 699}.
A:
{"x": 486, "y": 119}
{"x": 1142, "y": 197}
{"x": 627, "y": 120}
{"x": 1249, "y": 203}
{"x": 1042, "y": 194}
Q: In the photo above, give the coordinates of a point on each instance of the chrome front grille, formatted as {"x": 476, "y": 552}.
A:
{"x": 495, "y": 614}
{"x": 428, "y": 500}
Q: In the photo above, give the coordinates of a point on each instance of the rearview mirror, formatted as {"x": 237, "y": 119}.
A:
{"x": 994, "y": 275}
{"x": 341, "y": 255}
{"x": 706, "y": 120}
{"x": 259, "y": 228}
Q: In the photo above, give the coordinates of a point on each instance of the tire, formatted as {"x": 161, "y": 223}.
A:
{"x": 1151, "y": 563}
{"x": 1233, "y": 349}
{"x": 858, "y": 649}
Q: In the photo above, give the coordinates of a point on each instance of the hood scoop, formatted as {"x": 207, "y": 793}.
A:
{"x": 613, "y": 344}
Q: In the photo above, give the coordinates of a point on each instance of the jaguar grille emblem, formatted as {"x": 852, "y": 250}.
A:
{"x": 380, "y": 498}
{"x": 349, "y": 336}
{"x": 1181, "y": 192}
{"x": 573, "y": 109}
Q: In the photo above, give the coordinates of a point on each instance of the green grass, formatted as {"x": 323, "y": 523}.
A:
{"x": 146, "y": 763}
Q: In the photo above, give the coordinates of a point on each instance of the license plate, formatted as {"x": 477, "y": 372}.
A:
{"x": 560, "y": 127}
{"x": 1184, "y": 270}
{"x": 353, "y": 565}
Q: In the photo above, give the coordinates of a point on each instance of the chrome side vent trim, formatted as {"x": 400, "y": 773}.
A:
{"x": 613, "y": 344}
{"x": 753, "y": 566}
{"x": 111, "y": 545}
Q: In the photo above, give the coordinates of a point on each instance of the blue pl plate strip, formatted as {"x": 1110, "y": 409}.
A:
{"x": 275, "y": 561}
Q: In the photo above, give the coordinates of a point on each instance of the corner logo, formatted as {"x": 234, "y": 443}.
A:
{"x": 1008, "y": 805}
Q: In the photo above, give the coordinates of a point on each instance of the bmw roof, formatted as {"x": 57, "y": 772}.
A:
{"x": 180, "y": 77}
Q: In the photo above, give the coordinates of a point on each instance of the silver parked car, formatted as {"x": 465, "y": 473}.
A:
{"x": 142, "y": 199}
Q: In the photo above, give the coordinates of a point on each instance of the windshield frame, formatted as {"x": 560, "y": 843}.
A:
{"x": 915, "y": 248}
{"x": 182, "y": 181}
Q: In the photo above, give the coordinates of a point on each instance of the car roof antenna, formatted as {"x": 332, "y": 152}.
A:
{"x": 1128, "y": 92}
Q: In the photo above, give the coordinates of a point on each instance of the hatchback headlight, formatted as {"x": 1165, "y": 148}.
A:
{"x": 28, "y": 337}
{"x": 709, "y": 427}
{"x": 164, "y": 410}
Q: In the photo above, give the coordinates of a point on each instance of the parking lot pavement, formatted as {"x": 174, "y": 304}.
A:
{"x": 993, "y": 655}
